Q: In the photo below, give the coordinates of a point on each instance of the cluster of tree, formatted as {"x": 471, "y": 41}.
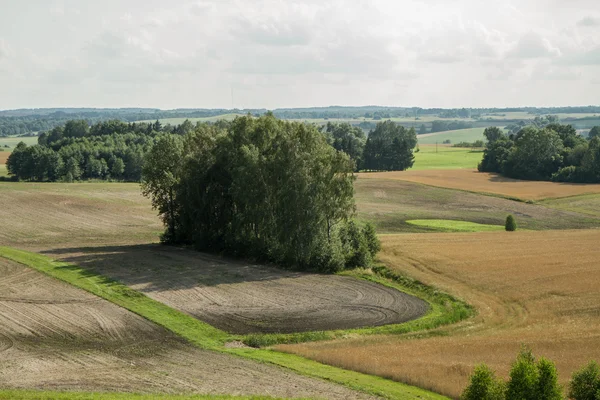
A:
{"x": 441, "y": 126}
{"x": 263, "y": 188}
{"x": 388, "y": 147}
{"x": 106, "y": 150}
{"x": 549, "y": 152}
{"x": 474, "y": 145}
{"x": 532, "y": 379}
{"x": 456, "y": 113}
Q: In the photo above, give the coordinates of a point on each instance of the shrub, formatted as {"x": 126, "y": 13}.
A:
{"x": 523, "y": 381}
{"x": 585, "y": 383}
{"x": 511, "y": 224}
{"x": 484, "y": 385}
{"x": 547, "y": 386}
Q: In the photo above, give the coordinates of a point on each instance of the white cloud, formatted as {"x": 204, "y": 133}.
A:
{"x": 533, "y": 45}
{"x": 589, "y": 21}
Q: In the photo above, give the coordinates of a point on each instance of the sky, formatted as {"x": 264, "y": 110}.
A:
{"x": 276, "y": 53}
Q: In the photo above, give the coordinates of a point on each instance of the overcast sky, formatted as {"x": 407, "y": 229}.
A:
{"x": 427, "y": 53}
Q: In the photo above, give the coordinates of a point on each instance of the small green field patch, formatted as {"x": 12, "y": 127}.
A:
{"x": 445, "y": 157}
{"x": 448, "y": 225}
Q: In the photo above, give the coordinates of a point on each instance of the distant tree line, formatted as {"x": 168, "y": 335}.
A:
{"x": 106, "y": 150}
{"x": 262, "y": 188}
{"x": 545, "y": 151}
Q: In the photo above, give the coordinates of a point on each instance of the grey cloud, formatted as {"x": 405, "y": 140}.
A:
{"x": 588, "y": 22}
{"x": 590, "y": 57}
{"x": 273, "y": 32}
{"x": 532, "y": 45}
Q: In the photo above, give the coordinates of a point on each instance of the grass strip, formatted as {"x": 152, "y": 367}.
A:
{"x": 448, "y": 225}
{"x": 204, "y": 335}
{"x": 50, "y": 395}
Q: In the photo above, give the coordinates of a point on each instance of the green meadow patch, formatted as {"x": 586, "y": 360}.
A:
{"x": 447, "y": 225}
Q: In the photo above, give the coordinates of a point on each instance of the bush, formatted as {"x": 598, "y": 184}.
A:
{"x": 484, "y": 385}
{"x": 522, "y": 384}
{"x": 585, "y": 383}
{"x": 566, "y": 174}
{"x": 548, "y": 387}
{"x": 510, "y": 224}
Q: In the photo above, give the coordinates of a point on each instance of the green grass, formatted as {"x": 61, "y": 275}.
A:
{"x": 460, "y": 135}
{"x": 447, "y": 225}
{"x": 446, "y": 158}
{"x": 49, "y": 395}
{"x": 13, "y": 141}
{"x": 206, "y": 336}
{"x": 588, "y": 204}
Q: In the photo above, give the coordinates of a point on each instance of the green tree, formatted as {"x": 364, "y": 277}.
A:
{"x": 495, "y": 155}
{"x": 523, "y": 378}
{"x": 390, "y": 147}
{"x": 585, "y": 383}
{"x": 76, "y": 128}
{"x": 160, "y": 175}
{"x": 484, "y": 385}
{"x": 538, "y": 153}
{"x": 511, "y": 224}
{"x": 347, "y": 138}
{"x": 493, "y": 133}
{"x": 594, "y": 132}
{"x": 547, "y": 385}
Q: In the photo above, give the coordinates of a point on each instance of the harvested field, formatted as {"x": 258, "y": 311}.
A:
{"x": 3, "y": 157}
{"x": 536, "y": 288}
{"x": 56, "y": 337}
{"x": 46, "y": 215}
{"x": 389, "y": 203}
{"x": 474, "y": 181}
{"x": 587, "y": 204}
{"x": 243, "y": 298}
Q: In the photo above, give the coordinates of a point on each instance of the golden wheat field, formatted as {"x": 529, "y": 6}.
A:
{"x": 475, "y": 181}
{"x": 533, "y": 288}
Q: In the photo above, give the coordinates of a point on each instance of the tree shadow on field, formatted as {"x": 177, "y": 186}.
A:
{"x": 154, "y": 267}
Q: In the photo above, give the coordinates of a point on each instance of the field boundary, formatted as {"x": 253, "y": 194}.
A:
{"x": 206, "y": 336}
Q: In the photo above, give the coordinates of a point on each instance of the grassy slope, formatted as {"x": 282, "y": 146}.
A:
{"x": 588, "y": 204}
{"x": 204, "y": 335}
{"x": 446, "y": 225}
{"x": 446, "y": 158}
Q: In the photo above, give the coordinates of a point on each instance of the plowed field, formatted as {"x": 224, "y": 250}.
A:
{"x": 244, "y": 298}
{"x": 54, "y": 336}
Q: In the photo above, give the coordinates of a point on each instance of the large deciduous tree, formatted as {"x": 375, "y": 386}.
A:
{"x": 390, "y": 147}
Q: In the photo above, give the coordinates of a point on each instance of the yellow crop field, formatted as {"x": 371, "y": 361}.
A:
{"x": 533, "y": 288}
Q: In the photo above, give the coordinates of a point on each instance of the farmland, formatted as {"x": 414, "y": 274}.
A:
{"x": 457, "y": 136}
{"x": 482, "y": 182}
{"x": 446, "y": 157}
{"x": 54, "y": 336}
{"x": 536, "y": 288}
{"x": 390, "y": 202}
{"x": 12, "y": 141}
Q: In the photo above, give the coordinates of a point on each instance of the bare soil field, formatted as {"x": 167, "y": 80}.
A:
{"x": 56, "y": 337}
{"x": 535, "y": 288}
{"x": 240, "y": 297}
{"x": 389, "y": 203}
{"x": 4, "y": 156}
{"x": 474, "y": 181}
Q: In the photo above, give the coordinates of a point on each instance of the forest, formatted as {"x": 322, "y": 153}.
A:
{"x": 115, "y": 150}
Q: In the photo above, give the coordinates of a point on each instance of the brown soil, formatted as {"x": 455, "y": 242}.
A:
{"x": 472, "y": 180}
{"x": 4, "y": 156}
{"x": 535, "y": 288}
{"x": 56, "y": 337}
{"x": 243, "y": 298}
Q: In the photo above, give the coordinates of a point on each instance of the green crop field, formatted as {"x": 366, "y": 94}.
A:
{"x": 460, "y": 135}
{"x": 445, "y": 157}
{"x": 12, "y": 141}
{"x": 448, "y": 225}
